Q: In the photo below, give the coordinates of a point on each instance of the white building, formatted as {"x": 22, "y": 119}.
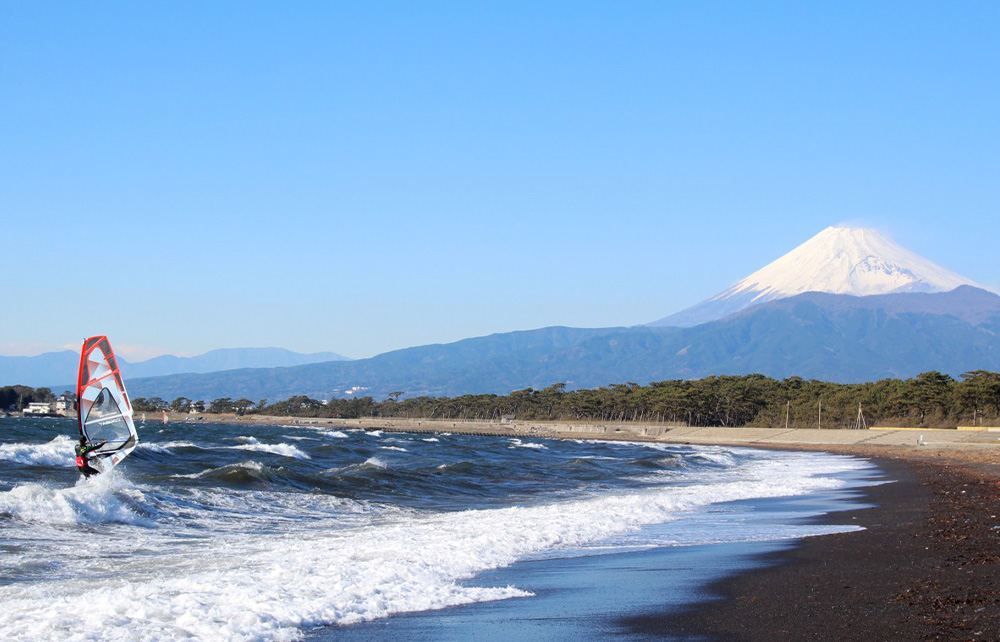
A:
{"x": 65, "y": 403}
{"x": 38, "y": 408}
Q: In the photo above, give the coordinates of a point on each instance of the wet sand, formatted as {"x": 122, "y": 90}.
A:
{"x": 927, "y": 567}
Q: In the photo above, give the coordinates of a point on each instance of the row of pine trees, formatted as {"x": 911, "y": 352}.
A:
{"x": 931, "y": 399}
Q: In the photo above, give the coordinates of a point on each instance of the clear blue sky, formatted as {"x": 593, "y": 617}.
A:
{"x": 366, "y": 176}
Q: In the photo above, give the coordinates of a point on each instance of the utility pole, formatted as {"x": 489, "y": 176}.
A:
{"x": 820, "y": 421}
{"x": 788, "y": 409}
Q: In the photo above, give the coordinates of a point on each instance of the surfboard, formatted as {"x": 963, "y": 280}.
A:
{"x": 103, "y": 407}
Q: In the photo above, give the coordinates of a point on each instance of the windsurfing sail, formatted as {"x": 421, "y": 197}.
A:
{"x": 104, "y": 410}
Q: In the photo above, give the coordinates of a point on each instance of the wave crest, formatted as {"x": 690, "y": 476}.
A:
{"x": 58, "y": 452}
{"x": 90, "y": 501}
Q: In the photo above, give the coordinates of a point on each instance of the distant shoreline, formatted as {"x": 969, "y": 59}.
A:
{"x": 875, "y": 440}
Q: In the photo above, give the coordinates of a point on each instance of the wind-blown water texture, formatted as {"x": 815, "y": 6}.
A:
{"x": 214, "y": 532}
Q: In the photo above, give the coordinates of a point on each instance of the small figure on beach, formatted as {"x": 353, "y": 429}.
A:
{"x": 82, "y": 460}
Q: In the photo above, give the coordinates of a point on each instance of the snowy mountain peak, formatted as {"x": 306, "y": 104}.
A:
{"x": 838, "y": 260}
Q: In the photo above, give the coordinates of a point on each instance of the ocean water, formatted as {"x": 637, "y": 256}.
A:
{"x": 251, "y": 532}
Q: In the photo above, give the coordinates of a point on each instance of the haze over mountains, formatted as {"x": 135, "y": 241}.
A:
{"x": 849, "y": 305}
{"x": 59, "y": 368}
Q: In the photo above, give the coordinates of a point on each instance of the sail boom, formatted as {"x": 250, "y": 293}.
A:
{"x": 104, "y": 420}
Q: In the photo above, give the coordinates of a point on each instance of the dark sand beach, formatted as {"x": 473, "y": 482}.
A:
{"x": 927, "y": 567}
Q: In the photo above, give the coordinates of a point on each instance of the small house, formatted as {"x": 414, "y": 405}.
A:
{"x": 38, "y": 408}
{"x": 65, "y": 403}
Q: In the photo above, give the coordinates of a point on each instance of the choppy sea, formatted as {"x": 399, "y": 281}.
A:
{"x": 272, "y": 533}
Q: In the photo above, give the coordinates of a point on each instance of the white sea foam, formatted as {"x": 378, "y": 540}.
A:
{"x": 396, "y": 448}
{"x": 335, "y": 434}
{"x": 58, "y": 452}
{"x": 285, "y": 450}
{"x": 517, "y": 443}
{"x": 155, "y": 448}
{"x": 176, "y": 444}
{"x": 431, "y": 439}
{"x": 90, "y": 501}
{"x": 717, "y": 456}
{"x": 249, "y": 586}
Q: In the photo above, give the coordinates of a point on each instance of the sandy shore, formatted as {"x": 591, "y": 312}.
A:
{"x": 980, "y": 446}
{"x": 927, "y": 567}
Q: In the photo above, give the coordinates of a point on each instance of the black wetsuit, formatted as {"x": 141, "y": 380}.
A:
{"x": 82, "y": 462}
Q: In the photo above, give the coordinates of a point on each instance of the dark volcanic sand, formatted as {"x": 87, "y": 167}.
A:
{"x": 926, "y": 568}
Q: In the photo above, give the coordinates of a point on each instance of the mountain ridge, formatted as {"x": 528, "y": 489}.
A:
{"x": 840, "y": 338}
{"x": 847, "y": 305}
{"x": 838, "y": 260}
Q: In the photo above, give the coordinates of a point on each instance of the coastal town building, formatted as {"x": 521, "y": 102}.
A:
{"x": 38, "y": 408}
{"x": 65, "y": 404}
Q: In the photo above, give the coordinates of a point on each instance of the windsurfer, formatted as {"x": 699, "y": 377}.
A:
{"x": 82, "y": 461}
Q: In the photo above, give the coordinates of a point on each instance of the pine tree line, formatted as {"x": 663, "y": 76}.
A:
{"x": 931, "y": 399}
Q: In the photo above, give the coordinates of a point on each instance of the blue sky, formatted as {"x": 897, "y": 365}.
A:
{"x": 361, "y": 177}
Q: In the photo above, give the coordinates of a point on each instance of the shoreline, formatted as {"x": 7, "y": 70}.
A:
{"x": 980, "y": 445}
{"x": 666, "y": 431}
{"x": 926, "y": 567}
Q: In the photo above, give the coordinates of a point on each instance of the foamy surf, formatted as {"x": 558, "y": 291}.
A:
{"x": 91, "y": 501}
{"x": 58, "y": 452}
{"x": 517, "y": 443}
{"x": 202, "y": 543}
{"x": 283, "y": 449}
{"x": 270, "y": 589}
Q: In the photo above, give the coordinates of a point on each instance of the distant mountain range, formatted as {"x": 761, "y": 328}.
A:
{"x": 59, "y": 368}
{"x": 849, "y": 305}
{"x": 833, "y": 337}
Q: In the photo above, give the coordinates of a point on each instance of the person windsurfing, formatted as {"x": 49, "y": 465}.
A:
{"x": 103, "y": 410}
{"x": 82, "y": 460}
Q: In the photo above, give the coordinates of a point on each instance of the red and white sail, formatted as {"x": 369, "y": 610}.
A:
{"x": 104, "y": 410}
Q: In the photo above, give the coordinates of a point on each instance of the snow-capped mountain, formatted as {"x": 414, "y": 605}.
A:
{"x": 838, "y": 260}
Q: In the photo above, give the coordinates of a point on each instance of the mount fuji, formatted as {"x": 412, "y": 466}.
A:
{"x": 838, "y": 260}
{"x": 849, "y": 305}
